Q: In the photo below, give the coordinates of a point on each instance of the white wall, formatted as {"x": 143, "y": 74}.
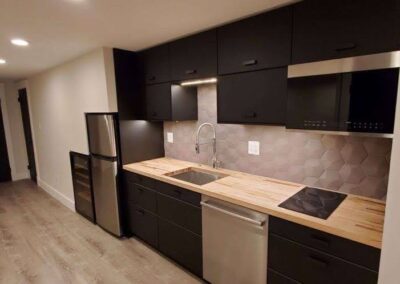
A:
{"x": 58, "y": 99}
{"x": 389, "y": 268}
{"x": 14, "y": 131}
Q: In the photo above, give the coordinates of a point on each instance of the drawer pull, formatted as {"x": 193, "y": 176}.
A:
{"x": 249, "y": 62}
{"x": 140, "y": 211}
{"x": 346, "y": 46}
{"x": 318, "y": 261}
{"x": 188, "y": 72}
{"x": 321, "y": 240}
{"x": 178, "y": 192}
{"x": 152, "y": 78}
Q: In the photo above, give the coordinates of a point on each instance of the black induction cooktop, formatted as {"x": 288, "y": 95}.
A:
{"x": 314, "y": 202}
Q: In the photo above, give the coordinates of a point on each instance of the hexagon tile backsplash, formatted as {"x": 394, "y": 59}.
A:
{"x": 354, "y": 165}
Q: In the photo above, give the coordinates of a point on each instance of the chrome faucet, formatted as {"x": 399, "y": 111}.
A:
{"x": 215, "y": 162}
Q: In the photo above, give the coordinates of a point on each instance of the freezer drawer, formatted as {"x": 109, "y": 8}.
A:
{"x": 101, "y": 131}
{"x": 234, "y": 244}
{"x": 105, "y": 189}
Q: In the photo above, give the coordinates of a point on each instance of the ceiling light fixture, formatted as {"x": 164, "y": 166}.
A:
{"x": 3, "y": 61}
{"x": 199, "y": 82}
{"x": 19, "y": 42}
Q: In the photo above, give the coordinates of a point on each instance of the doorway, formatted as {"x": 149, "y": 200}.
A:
{"x": 26, "y": 122}
{"x": 5, "y": 170}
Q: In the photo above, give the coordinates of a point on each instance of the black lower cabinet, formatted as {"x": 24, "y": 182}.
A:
{"x": 298, "y": 254}
{"x": 144, "y": 225}
{"x": 181, "y": 245}
{"x": 166, "y": 217}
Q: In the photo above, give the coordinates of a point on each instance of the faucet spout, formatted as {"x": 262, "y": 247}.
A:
{"x": 215, "y": 162}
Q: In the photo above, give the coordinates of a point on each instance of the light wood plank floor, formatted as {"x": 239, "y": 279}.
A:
{"x": 41, "y": 241}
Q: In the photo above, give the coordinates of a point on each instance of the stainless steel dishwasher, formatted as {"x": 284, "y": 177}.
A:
{"x": 234, "y": 243}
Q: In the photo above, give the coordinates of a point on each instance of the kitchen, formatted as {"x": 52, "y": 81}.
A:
{"x": 261, "y": 150}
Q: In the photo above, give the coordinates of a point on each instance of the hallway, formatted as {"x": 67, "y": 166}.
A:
{"x": 41, "y": 241}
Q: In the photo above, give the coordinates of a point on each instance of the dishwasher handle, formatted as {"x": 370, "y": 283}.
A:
{"x": 232, "y": 214}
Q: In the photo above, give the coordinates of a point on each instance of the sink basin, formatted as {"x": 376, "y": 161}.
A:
{"x": 196, "y": 176}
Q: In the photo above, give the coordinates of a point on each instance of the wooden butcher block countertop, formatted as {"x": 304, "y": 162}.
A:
{"x": 357, "y": 218}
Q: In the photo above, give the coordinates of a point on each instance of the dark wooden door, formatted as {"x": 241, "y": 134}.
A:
{"x": 343, "y": 28}
{"x": 257, "y": 97}
{"x": 259, "y": 42}
{"x": 26, "y": 121}
{"x": 5, "y": 170}
{"x": 194, "y": 56}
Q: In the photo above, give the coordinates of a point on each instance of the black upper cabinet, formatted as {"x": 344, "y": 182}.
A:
{"x": 157, "y": 67}
{"x": 194, "y": 56}
{"x": 171, "y": 102}
{"x": 253, "y": 97}
{"x": 343, "y": 28}
{"x": 128, "y": 68}
{"x": 259, "y": 42}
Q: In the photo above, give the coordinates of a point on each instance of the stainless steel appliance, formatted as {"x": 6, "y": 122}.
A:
{"x": 356, "y": 94}
{"x": 234, "y": 243}
{"x": 103, "y": 147}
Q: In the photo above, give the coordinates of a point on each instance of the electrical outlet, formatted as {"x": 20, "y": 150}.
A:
{"x": 170, "y": 137}
{"x": 254, "y": 148}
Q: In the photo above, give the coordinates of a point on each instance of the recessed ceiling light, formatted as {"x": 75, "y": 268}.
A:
{"x": 19, "y": 42}
{"x": 3, "y": 61}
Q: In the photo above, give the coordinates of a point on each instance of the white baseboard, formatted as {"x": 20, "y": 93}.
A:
{"x": 57, "y": 195}
{"x": 19, "y": 176}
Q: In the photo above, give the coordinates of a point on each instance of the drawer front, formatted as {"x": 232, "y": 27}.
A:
{"x": 142, "y": 197}
{"x": 179, "y": 193}
{"x": 311, "y": 266}
{"x": 180, "y": 213}
{"x": 277, "y": 278}
{"x": 144, "y": 225}
{"x": 182, "y": 246}
{"x": 139, "y": 179}
{"x": 352, "y": 251}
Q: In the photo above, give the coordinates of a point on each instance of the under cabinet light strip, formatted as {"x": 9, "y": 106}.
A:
{"x": 199, "y": 82}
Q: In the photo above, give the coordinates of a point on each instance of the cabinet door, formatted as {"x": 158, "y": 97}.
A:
{"x": 342, "y": 28}
{"x": 253, "y": 97}
{"x": 157, "y": 68}
{"x": 194, "y": 56}
{"x": 311, "y": 266}
{"x": 181, "y": 245}
{"x": 158, "y": 101}
{"x": 143, "y": 224}
{"x": 259, "y": 42}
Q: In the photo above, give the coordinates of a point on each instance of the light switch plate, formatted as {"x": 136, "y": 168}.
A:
{"x": 170, "y": 137}
{"x": 254, "y": 148}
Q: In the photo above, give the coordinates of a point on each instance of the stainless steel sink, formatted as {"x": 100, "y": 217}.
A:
{"x": 196, "y": 176}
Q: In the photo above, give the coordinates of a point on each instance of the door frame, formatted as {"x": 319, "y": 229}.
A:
{"x": 7, "y": 132}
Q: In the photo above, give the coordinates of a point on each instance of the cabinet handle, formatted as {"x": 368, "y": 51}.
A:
{"x": 152, "y": 78}
{"x": 250, "y": 115}
{"x": 321, "y": 240}
{"x": 177, "y": 191}
{"x": 140, "y": 211}
{"x": 249, "y": 62}
{"x": 188, "y": 72}
{"x": 346, "y": 46}
{"x": 319, "y": 261}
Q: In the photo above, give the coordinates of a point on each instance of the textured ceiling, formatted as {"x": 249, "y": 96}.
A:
{"x": 60, "y": 30}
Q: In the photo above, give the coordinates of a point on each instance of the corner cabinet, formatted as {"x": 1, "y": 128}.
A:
{"x": 166, "y": 217}
{"x": 342, "y": 28}
{"x": 259, "y": 42}
{"x": 257, "y": 97}
{"x": 171, "y": 102}
{"x": 194, "y": 57}
{"x": 298, "y": 254}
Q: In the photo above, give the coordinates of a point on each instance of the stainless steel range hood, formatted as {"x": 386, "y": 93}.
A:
{"x": 348, "y": 64}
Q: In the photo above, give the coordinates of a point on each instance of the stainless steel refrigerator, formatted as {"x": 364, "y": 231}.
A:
{"x": 103, "y": 139}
